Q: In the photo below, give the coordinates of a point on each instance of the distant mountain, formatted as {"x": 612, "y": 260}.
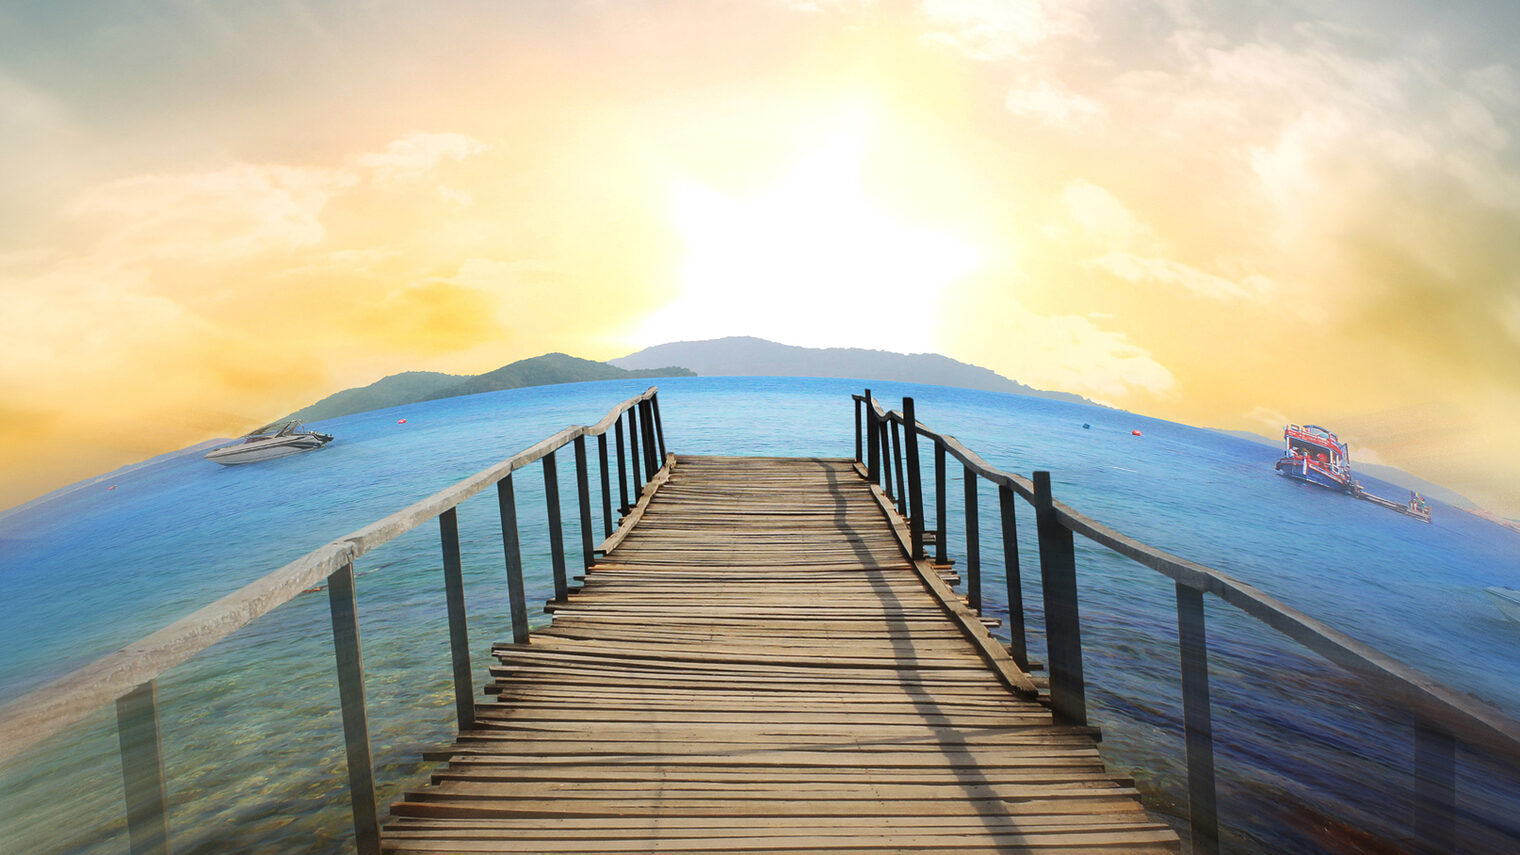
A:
{"x": 413, "y": 387}
{"x": 748, "y": 356}
{"x": 1391, "y": 474}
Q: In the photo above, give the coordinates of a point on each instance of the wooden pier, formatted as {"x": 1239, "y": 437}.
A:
{"x": 756, "y": 665}
{"x": 764, "y": 657}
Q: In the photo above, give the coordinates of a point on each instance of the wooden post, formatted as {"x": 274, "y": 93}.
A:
{"x": 583, "y": 494}
{"x": 873, "y": 451}
{"x": 633, "y": 455}
{"x": 1435, "y": 789}
{"x": 142, "y": 770}
{"x": 513, "y": 554}
{"x": 1063, "y": 631}
{"x": 659, "y": 428}
{"x": 617, "y": 429}
{"x": 361, "y": 772}
{"x": 859, "y": 444}
{"x": 973, "y": 546}
{"x": 646, "y": 421}
{"x": 1018, "y": 645}
{"x": 941, "y": 535}
{"x": 459, "y": 634}
{"x": 915, "y": 482}
{"x": 883, "y": 431}
{"x": 1203, "y": 814}
{"x": 601, "y": 455}
{"x": 897, "y": 460}
{"x": 556, "y": 527}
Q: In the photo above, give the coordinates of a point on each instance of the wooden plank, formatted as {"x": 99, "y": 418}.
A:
{"x": 755, "y": 664}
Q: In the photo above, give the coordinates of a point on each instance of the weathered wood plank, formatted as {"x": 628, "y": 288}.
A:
{"x": 755, "y": 664}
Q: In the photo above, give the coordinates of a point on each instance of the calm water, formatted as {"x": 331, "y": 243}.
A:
{"x": 253, "y": 742}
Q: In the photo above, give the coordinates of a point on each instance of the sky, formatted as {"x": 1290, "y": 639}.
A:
{"x": 1233, "y": 215}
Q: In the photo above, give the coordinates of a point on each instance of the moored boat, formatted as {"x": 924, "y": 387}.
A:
{"x": 1316, "y": 456}
{"x": 1507, "y": 600}
{"x": 280, "y": 439}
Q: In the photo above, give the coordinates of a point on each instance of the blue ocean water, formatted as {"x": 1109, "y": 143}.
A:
{"x": 253, "y": 745}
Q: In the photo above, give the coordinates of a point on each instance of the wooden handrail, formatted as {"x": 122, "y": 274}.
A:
{"x": 1440, "y": 714}
{"x": 65, "y": 701}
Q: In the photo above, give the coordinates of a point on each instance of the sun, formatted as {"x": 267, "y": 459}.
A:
{"x": 811, "y": 262}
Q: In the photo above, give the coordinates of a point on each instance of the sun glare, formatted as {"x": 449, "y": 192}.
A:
{"x": 811, "y": 263}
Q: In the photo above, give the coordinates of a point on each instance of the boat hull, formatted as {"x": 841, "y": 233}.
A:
{"x": 253, "y": 452}
{"x": 1294, "y": 468}
{"x": 1508, "y": 601}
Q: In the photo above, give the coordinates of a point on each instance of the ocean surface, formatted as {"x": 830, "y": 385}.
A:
{"x": 1309, "y": 762}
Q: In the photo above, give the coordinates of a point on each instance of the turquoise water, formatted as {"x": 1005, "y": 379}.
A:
{"x": 253, "y": 742}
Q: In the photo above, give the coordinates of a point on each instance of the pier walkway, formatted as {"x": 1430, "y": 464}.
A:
{"x": 755, "y": 665}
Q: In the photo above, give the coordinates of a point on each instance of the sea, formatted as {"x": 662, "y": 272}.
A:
{"x": 1309, "y": 759}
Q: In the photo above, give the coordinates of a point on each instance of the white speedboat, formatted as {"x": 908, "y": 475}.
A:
{"x": 1507, "y": 600}
{"x": 277, "y": 440}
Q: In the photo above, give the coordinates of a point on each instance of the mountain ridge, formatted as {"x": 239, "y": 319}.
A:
{"x": 748, "y": 356}
{"x": 414, "y": 387}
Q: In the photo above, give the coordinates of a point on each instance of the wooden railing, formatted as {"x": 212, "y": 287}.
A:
{"x": 129, "y": 676}
{"x": 1441, "y": 717}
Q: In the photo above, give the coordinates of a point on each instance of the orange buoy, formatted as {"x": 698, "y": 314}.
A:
{"x": 112, "y": 487}
{"x": 400, "y": 421}
{"x": 1136, "y": 433}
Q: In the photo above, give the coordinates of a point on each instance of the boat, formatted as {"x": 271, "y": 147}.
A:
{"x": 281, "y": 439}
{"x": 1507, "y": 600}
{"x": 1316, "y": 456}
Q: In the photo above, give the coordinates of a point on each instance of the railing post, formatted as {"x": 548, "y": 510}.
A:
{"x": 1063, "y": 631}
{"x": 1018, "y": 645}
{"x": 556, "y": 529}
{"x": 897, "y": 460}
{"x": 941, "y": 555}
{"x": 142, "y": 770}
{"x": 651, "y": 465}
{"x": 659, "y": 429}
{"x": 361, "y": 773}
{"x": 583, "y": 494}
{"x": 617, "y": 430}
{"x": 511, "y": 551}
{"x": 459, "y": 635}
{"x": 873, "y": 451}
{"x": 915, "y": 482}
{"x": 859, "y": 444}
{"x": 1435, "y": 789}
{"x": 634, "y": 464}
{"x": 885, "y": 433}
{"x": 601, "y": 456}
{"x": 973, "y": 546}
{"x": 1203, "y": 815}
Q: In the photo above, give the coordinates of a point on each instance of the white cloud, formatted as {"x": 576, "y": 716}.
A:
{"x": 1141, "y": 269}
{"x": 1101, "y": 216}
{"x": 999, "y": 29}
{"x": 1055, "y": 106}
{"x": 418, "y": 153}
{"x": 229, "y": 214}
{"x": 1073, "y": 354}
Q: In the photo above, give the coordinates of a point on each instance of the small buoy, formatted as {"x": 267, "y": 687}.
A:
{"x": 112, "y": 487}
{"x": 1136, "y": 433}
{"x": 400, "y": 421}
{"x": 1086, "y": 426}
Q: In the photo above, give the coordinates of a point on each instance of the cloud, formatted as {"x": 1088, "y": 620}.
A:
{"x": 227, "y": 214}
{"x": 418, "y": 153}
{"x": 1141, "y": 269}
{"x": 1055, "y": 106}
{"x": 992, "y": 30}
{"x": 1102, "y": 217}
